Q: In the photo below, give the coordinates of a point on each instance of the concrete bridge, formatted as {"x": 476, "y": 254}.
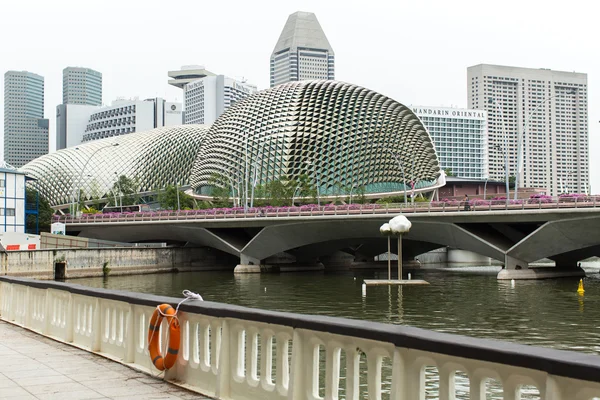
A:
{"x": 515, "y": 236}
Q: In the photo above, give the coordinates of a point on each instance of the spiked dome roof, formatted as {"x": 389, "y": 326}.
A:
{"x": 341, "y": 135}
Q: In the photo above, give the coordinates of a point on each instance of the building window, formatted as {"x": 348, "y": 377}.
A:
{"x": 2, "y": 183}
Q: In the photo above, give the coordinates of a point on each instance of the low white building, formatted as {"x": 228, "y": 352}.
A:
{"x": 71, "y": 121}
{"x": 207, "y": 98}
{"x": 460, "y": 138}
{"x": 12, "y": 200}
{"x": 76, "y": 124}
{"x": 127, "y": 116}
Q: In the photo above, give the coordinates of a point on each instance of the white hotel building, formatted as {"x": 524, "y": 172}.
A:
{"x": 548, "y": 110}
{"x": 76, "y": 123}
{"x": 207, "y": 98}
{"x": 460, "y": 139}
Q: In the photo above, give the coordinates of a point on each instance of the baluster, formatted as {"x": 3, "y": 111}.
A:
{"x": 226, "y": 369}
{"x": 446, "y": 384}
{"x": 69, "y": 326}
{"x": 282, "y": 379}
{"x": 332, "y": 372}
{"x": 352, "y": 374}
{"x": 552, "y": 389}
{"x": 300, "y": 379}
{"x": 477, "y": 387}
{"x": 374, "y": 375}
{"x": 96, "y": 326}
{"x": 408, "y": 377}
{"x": 510, "y": 391}
{"x": 130, "y": 336}
{"x": 215, "y": 340}
{"x": 266, "y": 358}
{"x": 251, "y": 355}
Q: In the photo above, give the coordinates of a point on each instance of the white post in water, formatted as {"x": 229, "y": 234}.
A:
{"x": 399, "y": 225}
{"x": 386, "y": 230}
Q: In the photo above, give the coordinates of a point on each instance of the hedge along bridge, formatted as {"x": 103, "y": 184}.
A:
{"x": 516, "y": 234}
{"x": 233, "y": 352}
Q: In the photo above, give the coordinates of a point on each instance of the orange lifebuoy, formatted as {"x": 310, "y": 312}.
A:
{"x": 174, "y": 337}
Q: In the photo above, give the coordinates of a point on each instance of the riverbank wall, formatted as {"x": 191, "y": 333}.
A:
{"x": 94, "y": 262}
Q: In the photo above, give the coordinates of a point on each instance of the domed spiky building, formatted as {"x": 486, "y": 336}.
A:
{"x": 341, "y": 136}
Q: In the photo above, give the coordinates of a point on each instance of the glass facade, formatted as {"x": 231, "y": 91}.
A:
{"x": 460, "y": 138}
{"x": 82, "y": 86}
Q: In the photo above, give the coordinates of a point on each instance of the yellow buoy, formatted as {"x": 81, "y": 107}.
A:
{"x": 580, "y": 288}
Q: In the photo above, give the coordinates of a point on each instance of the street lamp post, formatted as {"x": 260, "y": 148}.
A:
{"x": 294, "y": 194}
{"x": 401, "y": 170}
{"x": 497, "y": 146}
{"x": 83, "y": 169}
{"x": 485, "y": 187}
{"x": 505, "y": 150}
{"x": 120, "y": 192}
{"x": 317, "y": 180}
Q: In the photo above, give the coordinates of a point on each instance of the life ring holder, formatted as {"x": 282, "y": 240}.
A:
{"x": 174, "y": 333}
{"x": 168, "y": 361}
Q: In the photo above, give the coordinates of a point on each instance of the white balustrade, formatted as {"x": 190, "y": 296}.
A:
{"x": 236, "y": 353}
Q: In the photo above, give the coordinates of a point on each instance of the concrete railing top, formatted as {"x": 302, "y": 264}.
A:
{"x": 472, "y": 206}
{"x": 562, "y": 363}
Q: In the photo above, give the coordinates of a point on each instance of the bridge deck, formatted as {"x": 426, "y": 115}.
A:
{"x": 35, "y": 367}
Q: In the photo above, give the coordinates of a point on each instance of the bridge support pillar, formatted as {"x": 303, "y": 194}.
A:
{"x": 251, "y": 265}
{"x": 518, "y": 269}
{"x": 511, "y": 263}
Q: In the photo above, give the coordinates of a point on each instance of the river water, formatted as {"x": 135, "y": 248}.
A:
{"x": 465, "y": 300}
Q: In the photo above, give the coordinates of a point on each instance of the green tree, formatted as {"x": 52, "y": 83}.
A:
{"x": 125, "y": 191}
{"x": 167, "y": 199}
{"x": 448, "y": 172}
{"x": 45, "y": 212}
{"x": 511, "y": 181}
{"x": 220, "y": 190}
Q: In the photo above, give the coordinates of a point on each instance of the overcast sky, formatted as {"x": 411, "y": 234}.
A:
{"x": 416, "y": 52}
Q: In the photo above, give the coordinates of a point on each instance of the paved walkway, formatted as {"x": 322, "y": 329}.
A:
{"x": 35, "y": 367}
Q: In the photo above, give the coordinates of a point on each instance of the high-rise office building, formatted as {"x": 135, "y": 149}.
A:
{"x": 460, "y": 139}
{"x": 82, "y": 86}
{"x": 302, "y": 51}
{"x": 25, "y": 129}
{"x": 207, "y": 98}
{"x": 546, "y": 111}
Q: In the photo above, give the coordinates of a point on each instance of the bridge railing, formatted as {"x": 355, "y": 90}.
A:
{"x": 475, "y": 205}
{"x": 232, "y": 352}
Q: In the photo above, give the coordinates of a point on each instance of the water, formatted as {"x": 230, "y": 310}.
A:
{"x": 467, "y": 301}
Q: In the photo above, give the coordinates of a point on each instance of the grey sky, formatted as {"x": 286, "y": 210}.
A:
{"x": 415, "y": 52}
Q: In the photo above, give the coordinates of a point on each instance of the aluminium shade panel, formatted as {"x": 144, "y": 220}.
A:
{"x": 340, "y": 135}
{"x": 154, "y": 159}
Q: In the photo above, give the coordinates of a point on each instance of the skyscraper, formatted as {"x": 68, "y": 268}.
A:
{"x": 302, "y": 51}
{"x": 538, "y": 120}
{"x": 82, "y": 86}
{"x": 25, "y": 129}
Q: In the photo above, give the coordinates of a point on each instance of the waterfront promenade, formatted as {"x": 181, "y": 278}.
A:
{"x": 35, "y": 367}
